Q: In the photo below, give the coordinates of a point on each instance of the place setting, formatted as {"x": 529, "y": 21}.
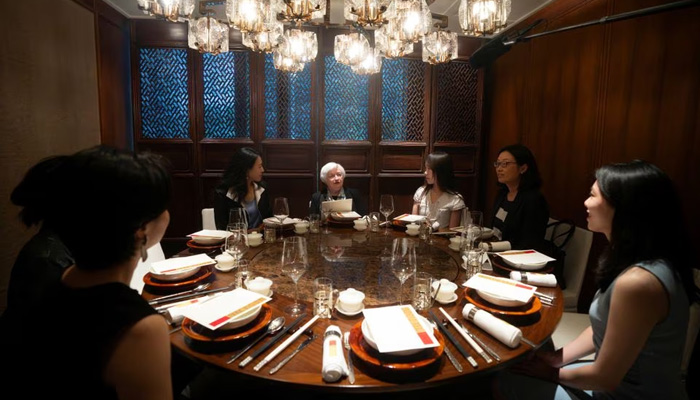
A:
{"x": 506, "y": 262}
{"x": 207, "y": 239}
{"x": 179, "y": 273}
{"x": 503, "y": 297}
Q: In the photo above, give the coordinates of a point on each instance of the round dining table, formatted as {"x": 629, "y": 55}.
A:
{"x": 362, "y": 260}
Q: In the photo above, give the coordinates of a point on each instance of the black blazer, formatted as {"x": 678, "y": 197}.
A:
{"x": 527, "y": 219}
{"x": 359, "y": 205}
{"x": 223, "y": 204}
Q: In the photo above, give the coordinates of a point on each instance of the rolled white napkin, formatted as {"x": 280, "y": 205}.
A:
{"x": 495, "y": 246}
{"x": 501, "y": 330}
{"x": 546, "y": 280}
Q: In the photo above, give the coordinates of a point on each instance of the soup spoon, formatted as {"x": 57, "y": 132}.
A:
{"x": 274, "y": 326}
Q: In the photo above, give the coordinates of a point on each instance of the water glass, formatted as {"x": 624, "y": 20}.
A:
{"x": 323, "y": 297}
{"x": 270, "y": 234}
{"x": 243, "y": 273}
{"x": 473, "y": 262}
{"x": 314, "y": 223}
{"x": 423, "y": 292}
{"x": 425, "y": 230}
{"x": 374, "y": 221}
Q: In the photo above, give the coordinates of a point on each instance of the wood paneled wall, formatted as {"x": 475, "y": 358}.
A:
{"x": 373, "y": 166}
{"x": 601, "y": 94}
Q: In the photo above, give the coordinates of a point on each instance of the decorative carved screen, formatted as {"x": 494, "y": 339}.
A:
{"x": 287, "y": 103}
{"x": 346, "y": 100}
{"x": 226, "y": 97}
{"x": 403, "y": 98}
{"x": 457, "y": 103}
{"x": 163, "y": 92}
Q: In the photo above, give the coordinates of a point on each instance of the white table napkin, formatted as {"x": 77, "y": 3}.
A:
{"x": 180, "y": 264}
{"x": 224, "y": 308}
{"x": 498, "y": 328}
{"x": 398, "y": 328}
{"x": 495, "y": 246}
{"x": 211, "y": 233}
{"x": 503, "y": 287}
{"x": 546, "y": 280}
{"x": 525, "y": 257}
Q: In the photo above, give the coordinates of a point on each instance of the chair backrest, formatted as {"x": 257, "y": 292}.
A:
{"x": 155, "y": 253}
{"x": 577, "y": 250}
{"x": 208, "y": 218}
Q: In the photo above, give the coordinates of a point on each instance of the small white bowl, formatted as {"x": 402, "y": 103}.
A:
{"x": 242, "y": 319}
{"x": 500, "y": 300}
{"x": 412, "y": 232}
{"x": 205, "y": 240}
{"x": 176, "y": 276}
{"x": 370, "y": 340}
{"x": 526, "y": 267}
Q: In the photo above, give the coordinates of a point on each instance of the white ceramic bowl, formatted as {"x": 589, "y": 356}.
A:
{"x": 176, "y": 276}
{"x": 206, "y": 240}
{"x": 499, "y": 300}
{"x": 368, "y": 338}
{"x": 526, "y": 267}
{"x": 412, "y": 232}
{"x": 242, "y": 319}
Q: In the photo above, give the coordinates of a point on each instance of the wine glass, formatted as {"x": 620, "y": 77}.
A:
{"x": 238, "y": 215}
{"x": 325, "y": 212}
{"x": 403, "y": 261}
{"x": 237, "y": 241}
{"x": 386, "y": 207}
{"x": 295, "y": 262}
{"x": 280, "y": 210}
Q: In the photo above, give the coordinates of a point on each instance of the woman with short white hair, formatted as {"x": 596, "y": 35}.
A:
{"x": 333, "y": 177}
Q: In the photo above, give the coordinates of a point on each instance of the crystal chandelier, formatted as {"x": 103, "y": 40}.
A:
{"x": 207, "y": 35}
{"x": 264, "y": 41}
{"x": 372, "y": 64}
{"x": 366, "y": 12}
{"x": 350, "y": 49}
{"x": 284, "y": 63}
{"x": 245, "y": 15}
{"x": 172, "y": 10}
{"x": 439, "y": 47}
{"x": 483, "y": 17}
{"x": 409, "y": 20}
{"x": 390, "y": 48}
{"x": 299, "y": 46}
{"x": 302, "y": 10}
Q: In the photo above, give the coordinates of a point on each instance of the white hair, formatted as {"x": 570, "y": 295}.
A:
{"x": 328, "y": 168}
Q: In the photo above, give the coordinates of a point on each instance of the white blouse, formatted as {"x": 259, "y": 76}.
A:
{"x": 450, "y": 202}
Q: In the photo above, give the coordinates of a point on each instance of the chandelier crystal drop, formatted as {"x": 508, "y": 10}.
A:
{"x": 171, "y": 10}
{"x": 299, "y": 46}
{"x": 265, "y": 41}
{"x": 366, "y": 12}
{"x": 483, "y": 17}
{"x": 439, "y": 47}
{"x": 284, "y": 63}
{"x": 207, "y": 35}
{"x": 409, "y": 20}
{"x": 350, "y": 49}
{"x": 372, "y": 64}
{"x": 390, "y": 48}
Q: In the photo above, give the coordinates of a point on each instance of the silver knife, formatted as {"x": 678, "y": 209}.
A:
{"x": 289, "y": 357}
{"x": 453, "y": 359}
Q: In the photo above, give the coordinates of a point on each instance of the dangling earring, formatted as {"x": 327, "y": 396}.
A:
{"x": 144, "y": 250}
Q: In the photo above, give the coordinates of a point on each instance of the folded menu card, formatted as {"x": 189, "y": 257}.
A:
{"x": 225, "y": 308}
{"x": 345, "y": 215}
{"x": 398, "y": 328}
{"x": 503, "y": 287}
{"x": 275, "y": 221}
{"x": 408, "y": 218}
{"x": 173, "y": 265}
{"x": 525, "y": 257}
{"x": 337, "y": 205}
{"x": 210, "y": 233}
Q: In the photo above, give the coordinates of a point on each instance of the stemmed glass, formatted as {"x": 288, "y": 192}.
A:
{"x": 238, "y": 215}
{"x": 295, "y": 262}
{"x": 237, "y": 241}
{"x": 326, "y": 212}
{"x": 403, "y": 261}
{"x": 280, "y": 210}
{"x": 386, "y": 207}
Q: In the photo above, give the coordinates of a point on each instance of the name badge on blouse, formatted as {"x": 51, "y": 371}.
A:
{"x": 501, "y": 214}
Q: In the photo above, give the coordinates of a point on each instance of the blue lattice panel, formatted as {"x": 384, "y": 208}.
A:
{"x": 287, "y": 102}
{"x": 163, "y": 90}
{"x": 403, "y": 100}
{"x": 347, "y": 102}
{"x": 226, "y": 98}
{"x": 457, "y": 85}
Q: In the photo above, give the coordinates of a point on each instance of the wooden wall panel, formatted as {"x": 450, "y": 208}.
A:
{"x": 600, "y": 94}
{"x": 405, "y": 159}
{"x": 355, "y": 159}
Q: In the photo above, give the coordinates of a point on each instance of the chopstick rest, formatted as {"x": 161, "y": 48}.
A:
{"x": 498, "y": 328}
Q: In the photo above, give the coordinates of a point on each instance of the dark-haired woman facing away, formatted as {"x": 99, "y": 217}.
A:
{"x": 439, "y": 192}
{"x": 520, "y": 211}
{"x": 639, "y": 315}
{"x": 242, "y": 186}
{"x": 91, "y": 336}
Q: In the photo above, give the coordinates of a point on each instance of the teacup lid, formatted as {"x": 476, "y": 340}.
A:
{"x": 350, "y": 293}
{"x": 259, "y": 282}
{"x": 412, "y": 226}
{"x": 254, "y": 234}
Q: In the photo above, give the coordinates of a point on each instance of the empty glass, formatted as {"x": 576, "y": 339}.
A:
{"x": 472, "y": 221}
{"x": 424, "y": 291}
{"x": 386, "y": 207}
{"x": 472, "y": 262}
{"x": 374, "y": 221}
{"x": 314, "y": 223}
{"x": 295, "y": 262}
{"x": 238, "y": 215}
{"x": 280, "y": 210}
{"x": 323, "y": 297}
{"x": 237, "y": 241}
{"x": 403, "y": 261}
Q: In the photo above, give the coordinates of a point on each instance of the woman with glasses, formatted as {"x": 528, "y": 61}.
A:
{"x": 242, "y": 186}
{"x": 439, "y": 192}
{"x": 520, "y": 212}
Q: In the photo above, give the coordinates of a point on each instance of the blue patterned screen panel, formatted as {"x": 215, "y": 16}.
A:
{"x": 347, "y": 102}
{"x": 226, "y": 99}
{"x": 164, "y": 97}
{"x": 287, "y": 102}
{"x": 403, "y": 99}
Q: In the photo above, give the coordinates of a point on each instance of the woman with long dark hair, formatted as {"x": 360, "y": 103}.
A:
{"x": 98, "y": 337}
{"x": 439, "y": 192}
{"x": 520, "y": 211}
{"x": 242, "y": 186}
{"x": 639, "y": 315}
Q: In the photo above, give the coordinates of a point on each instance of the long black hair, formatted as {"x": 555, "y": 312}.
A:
{"x": 236, "y": 175}
{"x": 95, "y": 201}
{"x": 647, "y": 224}
{"x": 530, "y": 179}
{"x": 441, "y": 164}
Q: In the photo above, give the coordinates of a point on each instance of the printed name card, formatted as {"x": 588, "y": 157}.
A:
{"x": 399, "y": 328}
{"x": 225, "y": 308}
{"x": 181, "y": 264}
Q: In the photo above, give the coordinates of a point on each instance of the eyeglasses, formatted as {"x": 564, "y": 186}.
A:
{"x": 503, "y": 164}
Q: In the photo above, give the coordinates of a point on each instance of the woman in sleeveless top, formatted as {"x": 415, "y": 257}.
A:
{"x": 438, "y": 198}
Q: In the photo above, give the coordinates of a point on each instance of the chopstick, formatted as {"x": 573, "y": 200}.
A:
{"x": 284, "y": 344}
{"x": 189, "y": 296}
{"x": 270, "y": 342}
{"x": 466, "y": 337}
{"x": 481, "y": 343}
{"x": 454, "y": 341}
